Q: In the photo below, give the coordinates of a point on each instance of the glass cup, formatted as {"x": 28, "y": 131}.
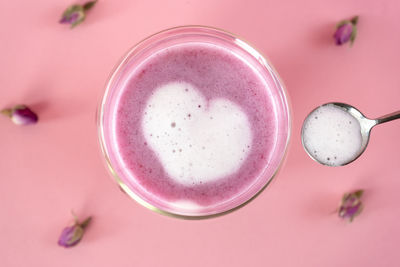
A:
{"x": 162, "y": 40}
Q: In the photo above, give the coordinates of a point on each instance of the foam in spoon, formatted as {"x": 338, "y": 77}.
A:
{"x": 332, "y": 136}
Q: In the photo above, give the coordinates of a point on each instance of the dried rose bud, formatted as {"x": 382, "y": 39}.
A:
{"x": 21, "y": 115}
{"x": 346, "y": 30}
{"x": 76, "y": 14}
{"x": 351, "y": 205}
{"x": 71, "y": 235}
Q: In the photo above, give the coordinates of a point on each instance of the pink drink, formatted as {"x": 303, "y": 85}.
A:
{"x": 195, "y": 127}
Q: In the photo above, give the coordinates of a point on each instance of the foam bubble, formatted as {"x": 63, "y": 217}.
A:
{"x": 332, "y": 136}
{"x": 196, "y": 140}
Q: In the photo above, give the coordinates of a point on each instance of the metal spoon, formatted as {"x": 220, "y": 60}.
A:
{"x": 365, "y": 124}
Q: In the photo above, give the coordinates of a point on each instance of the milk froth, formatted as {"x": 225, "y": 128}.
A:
{"x": 196, "y": 140}
{"x": 331, "y": 135}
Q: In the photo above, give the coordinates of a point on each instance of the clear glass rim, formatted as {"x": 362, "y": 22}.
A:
{"x": 100, "y": 127}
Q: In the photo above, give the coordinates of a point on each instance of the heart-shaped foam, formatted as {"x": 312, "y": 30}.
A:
{"x": 196, "y": 140}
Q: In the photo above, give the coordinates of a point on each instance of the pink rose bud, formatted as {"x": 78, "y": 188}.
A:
{"x": 76, "y": 14}
{"x": 71, "y": 235}
{"x": 346, "y": 31}
{"x": 351, "y": 205}
{"x": 21, "y": 115}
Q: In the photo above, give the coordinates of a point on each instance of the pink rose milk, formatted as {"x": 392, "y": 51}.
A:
{"x": 195, "y": 126}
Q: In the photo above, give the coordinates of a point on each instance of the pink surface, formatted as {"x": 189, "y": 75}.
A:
{"x": 55, "y": 166}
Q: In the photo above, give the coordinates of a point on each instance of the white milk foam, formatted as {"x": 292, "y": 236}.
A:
{"x": 196, "y": 140}
{"x": 332, "y": 135}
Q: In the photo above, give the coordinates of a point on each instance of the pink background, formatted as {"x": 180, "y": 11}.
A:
{"x": 55, "y": 166}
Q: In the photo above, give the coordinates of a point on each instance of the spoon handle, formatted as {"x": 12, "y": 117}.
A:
{"x": 388, "y": 117}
